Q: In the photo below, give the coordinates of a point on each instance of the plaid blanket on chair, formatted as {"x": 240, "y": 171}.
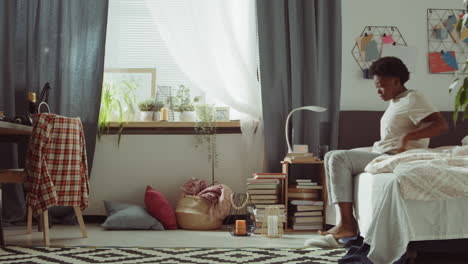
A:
{"x": 56, "y": 166}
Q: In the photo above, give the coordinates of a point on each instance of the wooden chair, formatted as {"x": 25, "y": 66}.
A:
{"x": 17, "y": 176}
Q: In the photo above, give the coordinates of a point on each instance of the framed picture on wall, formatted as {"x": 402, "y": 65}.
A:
{"x": 221, "y": 113}
{"x": 142, "y": 79}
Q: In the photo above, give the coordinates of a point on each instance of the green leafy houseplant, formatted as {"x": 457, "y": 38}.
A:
{"x": 461, "y": 97}
{"x": 117, "y": 98}
{"x": 205, "y": 133}
{"x": 147, "y": 105}
{"x": 182, "y": 101}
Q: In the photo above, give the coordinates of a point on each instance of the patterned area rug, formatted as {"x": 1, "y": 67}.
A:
{"x": 65, "y": 255}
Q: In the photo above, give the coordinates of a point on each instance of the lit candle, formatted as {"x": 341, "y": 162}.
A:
{"x": 164, "y": 114}
{"x": 241, "y": 227}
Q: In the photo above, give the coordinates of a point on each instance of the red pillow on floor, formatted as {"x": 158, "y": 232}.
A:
{"x": 158, "y": 206}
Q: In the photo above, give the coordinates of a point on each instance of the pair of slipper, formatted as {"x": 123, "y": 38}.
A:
{"x": 327, "y": 241}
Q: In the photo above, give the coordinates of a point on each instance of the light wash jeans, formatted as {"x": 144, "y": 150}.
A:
{"x": 340, "y": 167}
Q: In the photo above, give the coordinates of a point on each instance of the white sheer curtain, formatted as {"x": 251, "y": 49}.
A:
{"x": 215, "y": 43}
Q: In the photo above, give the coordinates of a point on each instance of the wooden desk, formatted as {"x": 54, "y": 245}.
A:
{"x": 9, "y": 132}
{"x": 7, "y": 128}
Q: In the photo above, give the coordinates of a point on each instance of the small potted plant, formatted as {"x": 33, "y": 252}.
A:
{"x": 147, "y": 109}
{"x": 184, "y": 104}
{"x": 157, "y": 109}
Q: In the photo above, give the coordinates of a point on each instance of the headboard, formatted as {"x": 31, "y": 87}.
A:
{"x": 362, "y": 129}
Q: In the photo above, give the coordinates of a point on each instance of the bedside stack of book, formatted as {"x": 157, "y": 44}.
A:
{"x": 264, "y": 190}
{"x": 307, "y": 208}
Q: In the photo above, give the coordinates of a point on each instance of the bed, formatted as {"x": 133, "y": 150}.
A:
{"x": 388, "y": 223}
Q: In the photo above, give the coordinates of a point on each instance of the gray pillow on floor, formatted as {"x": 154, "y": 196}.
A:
{"x": 122, "y": 216}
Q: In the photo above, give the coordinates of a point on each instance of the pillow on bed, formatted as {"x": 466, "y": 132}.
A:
{"x": 465, "y": 141}
{"x": 122, "y": 216}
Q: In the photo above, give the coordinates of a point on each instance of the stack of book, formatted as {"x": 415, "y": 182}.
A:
{"x": 301, "y": 157}
{"x": 304, "y": 199}
{"x": 264, "y": 190}
{"x": 304, "y": 190}
{"x": 259, "y": 214}
{"x": 308, "y": 215}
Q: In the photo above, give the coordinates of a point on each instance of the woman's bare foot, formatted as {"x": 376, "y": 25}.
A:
{"x": 332, "y": 230}
{"x": 345, "y": 231}
{"x": 340, "y": 231}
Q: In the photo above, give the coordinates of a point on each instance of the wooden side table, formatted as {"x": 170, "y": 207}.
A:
{"x": 285, "y": 169}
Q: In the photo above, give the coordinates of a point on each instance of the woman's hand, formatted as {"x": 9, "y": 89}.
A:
{"x": 403, "y": 143}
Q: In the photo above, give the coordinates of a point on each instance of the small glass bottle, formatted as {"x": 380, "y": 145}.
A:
{"x": 32, "y": 106}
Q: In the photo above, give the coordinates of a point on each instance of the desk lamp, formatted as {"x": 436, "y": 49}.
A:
{"x": 286, "y": 127}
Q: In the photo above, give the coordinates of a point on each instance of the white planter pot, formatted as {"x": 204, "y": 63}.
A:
{"x": 187, "y": 116}
{"x": 157, "y": 116}
{"x": 146, "y": 116}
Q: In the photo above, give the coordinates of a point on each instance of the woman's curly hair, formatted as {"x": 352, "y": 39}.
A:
{"x": 390, "y": 67}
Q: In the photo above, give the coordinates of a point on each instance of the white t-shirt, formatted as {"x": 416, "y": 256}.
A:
{"x": 402, "y": 116}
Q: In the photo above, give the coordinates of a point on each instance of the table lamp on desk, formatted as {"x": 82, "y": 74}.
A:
{"x": 286, "y": 127}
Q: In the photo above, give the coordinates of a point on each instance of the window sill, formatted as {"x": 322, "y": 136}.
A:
{"x": 171, "y": 128}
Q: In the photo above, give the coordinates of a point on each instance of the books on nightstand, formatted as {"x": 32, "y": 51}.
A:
{"x": 306, "y": 205}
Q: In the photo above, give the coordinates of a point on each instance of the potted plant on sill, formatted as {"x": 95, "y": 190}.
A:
{"x": 146, "y": 110}
{"x": 183, "y": 104}
{"x": 118, "y": 103}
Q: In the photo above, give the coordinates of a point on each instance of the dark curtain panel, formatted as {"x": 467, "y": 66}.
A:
{"x": 60, "y": 42}
{"x": 300, "y": 65}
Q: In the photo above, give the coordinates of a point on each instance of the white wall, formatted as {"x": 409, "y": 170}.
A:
{"x": 410, "y": 18}
{"x": 161, "y": 161}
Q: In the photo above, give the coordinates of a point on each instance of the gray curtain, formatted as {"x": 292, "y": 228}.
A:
{"x": 60, "y": 42}
{"x": 300, "y": 65}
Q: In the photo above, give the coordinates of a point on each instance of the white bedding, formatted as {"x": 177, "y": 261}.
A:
{"x": 388, "y": 222}
{"x": 427, "y": 174}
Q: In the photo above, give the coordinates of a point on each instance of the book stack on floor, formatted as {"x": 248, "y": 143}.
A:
{"x": 265, "y": 190}
{"x": 259, "y": 213}
{"x": 307, "y": 208}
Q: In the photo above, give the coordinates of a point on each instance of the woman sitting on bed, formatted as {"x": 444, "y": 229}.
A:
{"x": 408, "y": 123}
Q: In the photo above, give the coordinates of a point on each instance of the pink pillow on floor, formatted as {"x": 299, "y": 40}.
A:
{"x": 158, "y": 206}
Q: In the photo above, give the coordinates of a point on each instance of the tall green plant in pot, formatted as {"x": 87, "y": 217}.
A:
{"x": 460, "y": 85}
{"x": 184, "y": 104}
{"x": 205, "y": 134}
{"x": 117, "y": 99}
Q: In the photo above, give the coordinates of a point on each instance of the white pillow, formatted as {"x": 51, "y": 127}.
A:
{"x": 465, "y": 141}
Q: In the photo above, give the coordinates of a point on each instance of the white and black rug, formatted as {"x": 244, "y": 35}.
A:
{"x": 97, "y": 255}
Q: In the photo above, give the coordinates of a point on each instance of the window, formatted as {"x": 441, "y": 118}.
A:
{"x": 133, "y": 41}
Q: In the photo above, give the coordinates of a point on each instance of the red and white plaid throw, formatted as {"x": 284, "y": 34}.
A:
{"x": 56, "y": 168}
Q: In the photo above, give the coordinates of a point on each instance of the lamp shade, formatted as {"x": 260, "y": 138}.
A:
{"x": 312, "y": 108}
